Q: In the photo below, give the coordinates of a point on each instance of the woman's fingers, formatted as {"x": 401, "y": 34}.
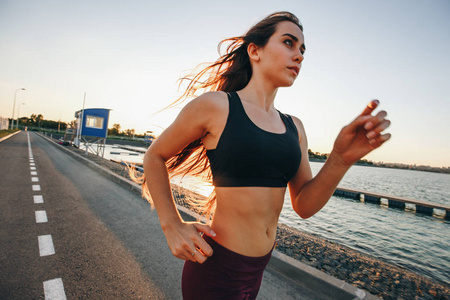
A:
{"x": 186, "y": 242}
{"x": 194, "y": 255}
{"x": 378, "y": 129}
{"x": 362, "y": 135}
{"x": 375, "y": 120}
{"x": 200, "y": 243}
{"x": 186, "y": 257}
{"x": 370, "y": 107}
{"x": 378, "y": 141}
{"x": 375, "y": 126}
{"x": 199, "y": 250}
{"x": 205, "y": 229}
{"x": 356, "y": 124}
{"x": 198, "y": 255}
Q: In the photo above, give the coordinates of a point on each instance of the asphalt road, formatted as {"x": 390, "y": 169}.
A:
{"x": 107, "y": 243}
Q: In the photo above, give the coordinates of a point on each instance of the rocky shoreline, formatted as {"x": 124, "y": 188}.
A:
{"x": 374, "y": 275}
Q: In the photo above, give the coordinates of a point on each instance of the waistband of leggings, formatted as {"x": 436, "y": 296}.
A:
{"x": 218, "y": 248}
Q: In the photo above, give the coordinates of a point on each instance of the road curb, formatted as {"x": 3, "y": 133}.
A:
{"x": 8, "y": 136}
{"x": 290, "y": 268}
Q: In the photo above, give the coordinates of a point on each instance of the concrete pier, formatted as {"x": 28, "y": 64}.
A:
{"x": 423, "y": 207}
{"x": 131, "y": 149}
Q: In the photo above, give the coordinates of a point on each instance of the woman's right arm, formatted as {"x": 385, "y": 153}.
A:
{"x": 192, "y": 123}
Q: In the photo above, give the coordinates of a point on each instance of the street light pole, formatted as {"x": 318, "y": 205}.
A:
{"x": 18, "y": 114}
{"x": 14, "y": 106}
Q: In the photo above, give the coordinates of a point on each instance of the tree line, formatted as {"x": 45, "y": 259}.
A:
{"x": 115, "y": 131}
{"x": 324, "y": 156}
{"x": 38, "y": 121}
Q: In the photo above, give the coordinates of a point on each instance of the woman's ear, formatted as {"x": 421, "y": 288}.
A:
{"x": 253, "y": 52}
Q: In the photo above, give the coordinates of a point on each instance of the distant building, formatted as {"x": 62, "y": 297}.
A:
{"x": 4, "y": 123}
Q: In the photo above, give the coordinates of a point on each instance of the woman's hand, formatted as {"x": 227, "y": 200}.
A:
{"x": 362, "y": 135}
{"x": 186, "y": 243}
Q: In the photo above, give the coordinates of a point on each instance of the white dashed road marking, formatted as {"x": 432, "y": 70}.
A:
{"x": 41, "y": 216}
{"x": 38, "y": 199}
{"x": 46, "y": 245}
{"x": 54, "y": 289}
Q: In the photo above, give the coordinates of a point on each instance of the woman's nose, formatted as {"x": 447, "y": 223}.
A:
{"x": 298, "y": 57}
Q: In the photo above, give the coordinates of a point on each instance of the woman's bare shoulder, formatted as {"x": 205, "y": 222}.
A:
{"x": 211, "y": 101}
{"x": 205, "y": 111}
{"x": 300, "y": 128}
{"x": 298, "y": 123}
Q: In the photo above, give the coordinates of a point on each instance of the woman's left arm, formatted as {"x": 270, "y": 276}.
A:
{"x": 360, "y": 137}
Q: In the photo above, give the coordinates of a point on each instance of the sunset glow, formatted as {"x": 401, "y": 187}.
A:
{"x": 128, "y": 58}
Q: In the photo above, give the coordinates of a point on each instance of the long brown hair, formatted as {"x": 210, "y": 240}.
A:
{"x": 230, "y": 72}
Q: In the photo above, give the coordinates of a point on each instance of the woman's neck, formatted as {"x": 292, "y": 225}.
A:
{"x": 259, "y": 94}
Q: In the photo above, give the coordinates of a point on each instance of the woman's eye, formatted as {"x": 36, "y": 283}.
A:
{"x": 288, "y": 42}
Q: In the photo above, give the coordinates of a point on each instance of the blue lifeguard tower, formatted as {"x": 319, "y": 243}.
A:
{"x": 92, "y": 129}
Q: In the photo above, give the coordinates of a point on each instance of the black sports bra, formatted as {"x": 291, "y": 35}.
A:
{"x": 247, "y": 155}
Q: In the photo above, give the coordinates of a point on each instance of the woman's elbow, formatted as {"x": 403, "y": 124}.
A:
{"x": 151, "y": 156}
{"x": 304, "y": 214}
{"x": 147, "y": 157}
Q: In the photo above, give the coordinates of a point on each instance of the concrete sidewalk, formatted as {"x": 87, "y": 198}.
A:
{"x": 284, "y": 278}
{"x": 9, "y": 135}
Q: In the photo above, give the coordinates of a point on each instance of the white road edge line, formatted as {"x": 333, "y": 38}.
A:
{"x": 41, "y": 216}
{"x": 46, "y": 245}
{"x": 38, "y": 199}
{"x": 54, "y": 289}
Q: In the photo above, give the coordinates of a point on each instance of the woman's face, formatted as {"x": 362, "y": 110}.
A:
{"x": 281, "y": 58}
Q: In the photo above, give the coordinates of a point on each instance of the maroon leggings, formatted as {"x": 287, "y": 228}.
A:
{"x": 224, "y": 275}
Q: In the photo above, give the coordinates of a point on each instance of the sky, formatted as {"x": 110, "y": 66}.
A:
{"x": 128, "y": 55}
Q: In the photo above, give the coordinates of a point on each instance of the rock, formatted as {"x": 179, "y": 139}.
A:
{"x": 328, "y": 269}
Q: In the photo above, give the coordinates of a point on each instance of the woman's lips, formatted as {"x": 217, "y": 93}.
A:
{"x": 295, "y": 69}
